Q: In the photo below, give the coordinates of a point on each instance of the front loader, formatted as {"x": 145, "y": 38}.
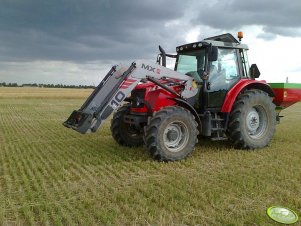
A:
{"x": 211, "y": 92}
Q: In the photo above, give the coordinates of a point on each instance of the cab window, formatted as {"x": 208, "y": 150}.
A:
{"x": 192, "y": 64}
{"x": 224, "y": 72}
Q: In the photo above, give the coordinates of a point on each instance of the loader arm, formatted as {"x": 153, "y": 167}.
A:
{"x": 115, "y": 87}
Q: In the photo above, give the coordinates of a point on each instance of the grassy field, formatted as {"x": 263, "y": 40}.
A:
{"x": 51, "y": 175}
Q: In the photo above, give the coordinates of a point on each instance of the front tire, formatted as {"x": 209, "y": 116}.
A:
{"x": 252, "y": 122}
{"x": 171, "y": 134}
{"x": 123, "y": 133}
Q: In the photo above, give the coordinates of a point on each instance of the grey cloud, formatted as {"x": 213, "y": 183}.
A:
{"x": 285, "y": 31}
{"x": 270, "y": 33}
{"x": 86, "y": 30}
{"x": 116, "y": 30}
{"x": 53, "y": 72}
{"x": 267, "y": 36}
{"x": 276, "y": 16}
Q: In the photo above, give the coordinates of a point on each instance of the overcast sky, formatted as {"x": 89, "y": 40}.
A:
{"x": 76, "y": 42}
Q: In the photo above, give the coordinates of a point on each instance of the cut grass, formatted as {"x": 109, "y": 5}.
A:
{"x": 52, "y": 175}
{"x": 43, "y": 93}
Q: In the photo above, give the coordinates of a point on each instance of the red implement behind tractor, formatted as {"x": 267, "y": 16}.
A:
{"x": 211, "y": 92}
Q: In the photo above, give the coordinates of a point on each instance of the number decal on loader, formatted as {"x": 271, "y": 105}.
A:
{"x": 118, "y": 98}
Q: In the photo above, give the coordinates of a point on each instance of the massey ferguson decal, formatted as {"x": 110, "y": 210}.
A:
{"x": 150, "y": 68}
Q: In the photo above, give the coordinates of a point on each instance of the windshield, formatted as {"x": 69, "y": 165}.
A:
{"x": 192, "y": 63}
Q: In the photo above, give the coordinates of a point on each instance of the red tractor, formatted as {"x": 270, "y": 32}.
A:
{"x": 211, "y": 92}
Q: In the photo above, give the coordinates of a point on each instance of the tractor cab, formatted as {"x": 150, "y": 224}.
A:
{"x": 216, "y": 64}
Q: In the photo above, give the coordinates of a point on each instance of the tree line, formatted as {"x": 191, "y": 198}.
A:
{"x": 41, "y": 85}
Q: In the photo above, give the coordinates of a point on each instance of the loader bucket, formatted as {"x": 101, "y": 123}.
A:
{"x": 97, "y": 107}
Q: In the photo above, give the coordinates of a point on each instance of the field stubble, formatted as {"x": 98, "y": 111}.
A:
{"x": 52, "y": 175}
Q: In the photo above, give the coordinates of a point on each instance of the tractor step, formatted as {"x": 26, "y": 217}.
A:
{"x": 218, "y": 129}
{"x": 217, "y": 119}
{"x": 219, "y": 138}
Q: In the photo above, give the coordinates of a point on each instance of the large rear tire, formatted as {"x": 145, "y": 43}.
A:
{"x": 125, "y": 134}
{"x": 171, "y": 134}
{"x": 252, "y": 122}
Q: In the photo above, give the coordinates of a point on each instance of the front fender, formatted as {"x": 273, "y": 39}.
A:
{"x": 186, "y": 105}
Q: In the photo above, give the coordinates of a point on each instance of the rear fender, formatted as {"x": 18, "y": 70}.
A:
{"x": 239, "y": 87}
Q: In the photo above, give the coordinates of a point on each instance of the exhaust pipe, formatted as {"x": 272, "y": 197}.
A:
{"x": 163, "y": 55}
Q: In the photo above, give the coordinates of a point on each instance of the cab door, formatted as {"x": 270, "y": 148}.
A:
{"x": 223, "y": 74}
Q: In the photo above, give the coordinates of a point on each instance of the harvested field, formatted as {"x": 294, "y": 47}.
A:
{"x": 51, "y": 175}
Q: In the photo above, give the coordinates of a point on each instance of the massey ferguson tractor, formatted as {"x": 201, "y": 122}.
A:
{"x": 211, "y": 92}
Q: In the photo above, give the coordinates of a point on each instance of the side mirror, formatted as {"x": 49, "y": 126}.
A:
{"x": 212, "y": 53}
{"x": 254, "y": 71}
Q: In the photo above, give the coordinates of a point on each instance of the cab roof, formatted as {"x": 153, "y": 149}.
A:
{"x": 224, "y": 40}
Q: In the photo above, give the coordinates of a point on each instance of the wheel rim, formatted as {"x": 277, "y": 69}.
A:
{"x": 175, "y": 136}
{"x": 256, "y": 122}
